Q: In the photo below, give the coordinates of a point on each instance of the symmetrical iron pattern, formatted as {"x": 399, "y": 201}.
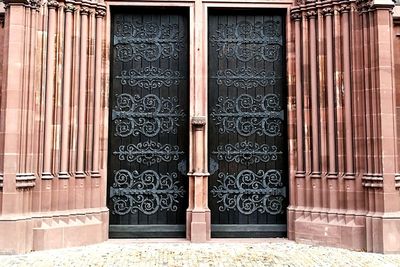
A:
{"x": 148, "y": 115}
{"x": 246, "y": 115}
{"x": 149, "y": 77}
{"x": 246, "y": 89}
{"x": 148, "y": 133}
{"x": 245, "y": 78}
{"x": 146, "y": 40}
{"x": 246, "y": 40}
{"x": 247, "y": 152}
{"x": 147, "y": 192}
{"x": 249, "y": 192}
{"x": 148, "y": 153}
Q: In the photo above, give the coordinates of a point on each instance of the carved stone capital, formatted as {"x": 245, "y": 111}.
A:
{"x": 198, "y": 121}
{"x": 311, "y": 14}
{"x": 69, "y": 8}
{"x": 85, "y": 10}
{"x": 344, "y": 8}
{"x": 327, "y": 11}
{"x": 100, "y": 12}
{"x": 363, "y": 5}
{"x": 53, "y": 4}
{"x": 34, "y": 4}
{"x": 300, "y": 2}
{"x": 296, "y": 15}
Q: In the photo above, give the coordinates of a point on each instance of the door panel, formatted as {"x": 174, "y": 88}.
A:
{"x": 247, "y": 133}
{"x": 148, "y": 137}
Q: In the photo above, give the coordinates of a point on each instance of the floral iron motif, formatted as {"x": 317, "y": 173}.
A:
{"x": 148, "y": 115}
{"x": 247, "y": 40}
{"x": 245, "y": 78}
{"x": 150, "y": 77}
{"x": 249, "y": 192}
{"x": 247, "y": 153}
{"x": 146, "y": 40}
{"x": 146, "y": 192}
{"x": 148, "y": 153}
{"x": 247, "y": 115}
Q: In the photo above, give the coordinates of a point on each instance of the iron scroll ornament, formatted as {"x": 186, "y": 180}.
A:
{"x": 246, "y": 115}
{"x": 247, "y": 152}
{"x": 146, "y": 40}
{"x": 249, "y": 192}
{"x": 146, "y": 192}
{"x": 245, "y": 78}
{"x": 150, "y": 77}
{"x": 247, "y": 40}
{"x": 148, "y": 153}
{"x": 148, "y": 115}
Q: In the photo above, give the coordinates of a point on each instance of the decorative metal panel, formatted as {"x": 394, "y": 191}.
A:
{"x": 149, "y": 77}
{"x": 146, "y": 192}
{"x": 245, "y": 40}
{"x": 148, "y": 152}
{"x": 245, "y": 78}
{"x": 136, "y": 40}
{"x": 247, "y": 152}
{"x": 246, "y": 124}
{"x": 246, "y": 115}
{"x": 148, "y": 115}
{"x": 148, "y": 127}
{"x": 248, "y": 192}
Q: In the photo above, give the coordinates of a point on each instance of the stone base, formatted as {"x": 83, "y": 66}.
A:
{"x": 383, "y": 233}
{"x": 53, "y": 230}
{"x": 198, "y": 226}
{"x": 337, "y": 231}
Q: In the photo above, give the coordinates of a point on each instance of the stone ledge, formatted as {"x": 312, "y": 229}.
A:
{"x": 75, "y": 232}
{"x": 335, "y": 233}
{"x": 327, "y": 227}
{"x": 38, "y": 231}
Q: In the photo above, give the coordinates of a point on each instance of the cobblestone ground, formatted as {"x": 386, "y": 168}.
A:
{"x": 266, "y": 253}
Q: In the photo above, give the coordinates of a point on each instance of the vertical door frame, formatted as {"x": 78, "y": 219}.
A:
{"x": 198, "y": 218}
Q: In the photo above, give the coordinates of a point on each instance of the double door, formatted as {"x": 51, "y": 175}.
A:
{"x": 149, "y": 123}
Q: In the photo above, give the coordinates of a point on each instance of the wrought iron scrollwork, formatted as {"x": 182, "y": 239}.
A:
{"x": 245, "y": 78}
{"x": 247, "y": 115}
{"x": 247, "y": 40}
{"x": 247, "y": 153}
{"x": 150, "y": 77}
{"x": 148, "y": 153}
{"x": 146, "y": 40}
{"x": 146, "y": 192}
{"x": 249, "y": 192}
{"x": 148, "y": 115}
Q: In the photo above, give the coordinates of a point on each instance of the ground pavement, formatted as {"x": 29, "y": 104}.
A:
{"x": 266, "y": 252}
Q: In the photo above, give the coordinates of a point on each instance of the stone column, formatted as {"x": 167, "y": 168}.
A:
{"x": 383, "y": 231}
{"x": 198, "y": 227}
{"x": 95, "y": 172}
{"x": 15, "y": 222}
{"x": 80, "y": 174}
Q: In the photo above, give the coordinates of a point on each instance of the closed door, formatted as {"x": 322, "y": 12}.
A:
{"x": 148, "y": 136}
{"x": 247, "y": 134}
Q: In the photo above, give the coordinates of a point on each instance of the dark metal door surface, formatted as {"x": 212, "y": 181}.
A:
{"x": 148, "y": 137}
{"x": 247, "y": 133}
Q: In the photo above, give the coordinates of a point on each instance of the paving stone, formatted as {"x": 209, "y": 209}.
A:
{"x": 218, "y": 254}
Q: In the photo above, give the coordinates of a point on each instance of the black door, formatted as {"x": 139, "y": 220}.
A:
{"x": 247, "y": 133}
{"x": 148, "y": 137}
